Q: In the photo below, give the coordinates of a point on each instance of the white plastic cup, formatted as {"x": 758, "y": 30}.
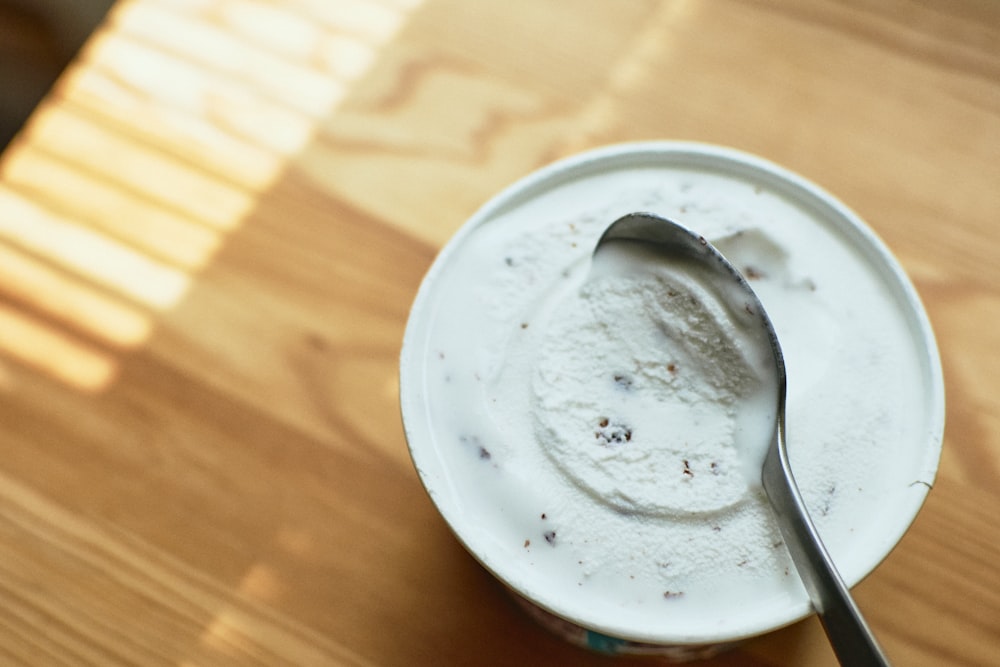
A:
{"x": 914, "y": 458}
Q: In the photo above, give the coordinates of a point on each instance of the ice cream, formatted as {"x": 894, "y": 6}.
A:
{"x": 648, "y": 387}
{"x": 580, "y": 425}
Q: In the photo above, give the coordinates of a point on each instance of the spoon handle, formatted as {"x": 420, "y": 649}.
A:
{"x": 849, "y": 634}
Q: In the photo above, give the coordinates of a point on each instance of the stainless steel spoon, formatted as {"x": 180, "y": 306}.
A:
{"x": 852, "y": 640}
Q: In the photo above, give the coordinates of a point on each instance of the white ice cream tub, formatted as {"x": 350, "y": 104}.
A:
{"x": 884, "y": 481}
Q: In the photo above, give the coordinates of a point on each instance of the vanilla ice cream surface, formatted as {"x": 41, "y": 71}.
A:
{"x": 586, "y": 419}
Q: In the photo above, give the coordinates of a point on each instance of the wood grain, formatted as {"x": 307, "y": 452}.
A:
{"x": 212, "y": 230}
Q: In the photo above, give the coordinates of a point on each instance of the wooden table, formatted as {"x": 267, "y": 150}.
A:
{"x": 213, "y": 228}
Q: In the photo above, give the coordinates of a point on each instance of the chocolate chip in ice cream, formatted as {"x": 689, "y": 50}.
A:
{"x": 623, "y": 380}
{"x": 611, "y": 433}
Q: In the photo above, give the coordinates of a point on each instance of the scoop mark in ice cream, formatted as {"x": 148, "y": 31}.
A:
{"x": 645, "y": 319}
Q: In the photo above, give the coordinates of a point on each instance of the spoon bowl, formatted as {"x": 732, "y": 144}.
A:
{"x": 849, "y": 634}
